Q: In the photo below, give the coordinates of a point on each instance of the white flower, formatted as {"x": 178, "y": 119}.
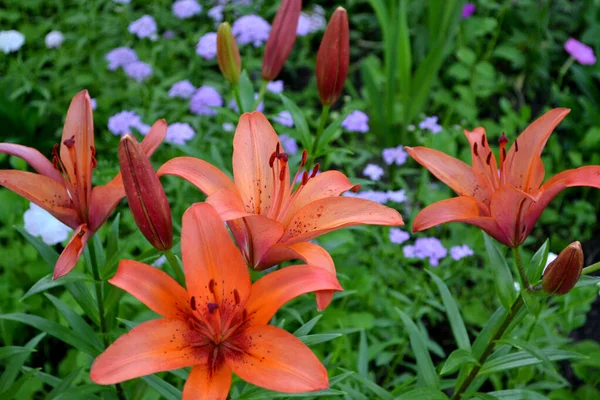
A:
{"x": 54, "y": 39}
{"x": 39, "y": 222}
{"x": 551, "y": 257}
{"x": 11, "y": 41}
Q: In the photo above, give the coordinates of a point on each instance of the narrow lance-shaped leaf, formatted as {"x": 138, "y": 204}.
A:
{"x": 502, "y": 276}
{"x": 538, "y": 262}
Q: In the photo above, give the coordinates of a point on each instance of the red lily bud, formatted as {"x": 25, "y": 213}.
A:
{"x": 228, "y": 54}
{"x": 562, "y": 274}
{"x": 333, "y": 57}
{"x": 282, "y": 38}
{"x": 146, "y": 196}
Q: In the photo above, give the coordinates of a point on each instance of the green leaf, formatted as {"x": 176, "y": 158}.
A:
{"x": 53, "y": 329}
{"x": 246, "y": 92}
{"x": 523, "y": 358}
{"x": 373, "y": 387}
{"x": 82, "y": 295}
{"x": 48, "y": 283}
{"x": 517, "y": 394}
{"x": 404, "y": 54}
{"x": 530, "y": 348}
{"x": 310, "y": 340}
{"x": 363, "y": 355}
{"x": 418, "y": 343}
{"x": 422, "y": 393}
{"x": 112, "y": 246}
{"x": 299, "y": 122}
{"x": 64, "y": 384}
{"x": 456, "y": 322}
{"x": 532, "y": 302}
{"x": 14, "y": 389}
{"x": 586, "y": 280}
{"x": 10, "y": 351}
{"x": 502, "y": 276}
{"x": 307, "y": 327}
{"x": 13, "y": 366}
{"x": 538, "y": 262}
{"x": 456, "y": 360}
{"x": 330, "y": 132}
{"x": 83, "y": 392}
{"x": 48, "y": 253}
{"x": 165, "y": 389}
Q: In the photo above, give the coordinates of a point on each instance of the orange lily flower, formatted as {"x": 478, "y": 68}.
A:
{"x": 507, "y": 201}
{"x": 272, "y": 222}
{"x": 219, "y": 324}
{"x": 64, "y": 187}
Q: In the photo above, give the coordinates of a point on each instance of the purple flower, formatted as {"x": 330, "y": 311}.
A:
{"x": 318, "y": 21}
{"x": 398, "y": 196}
{"x": 143, "y": 27}
{"x": 275, "y": 86}
{"x": 120, "y": 57}
{"x": 179, "y": 133}
{"x": 304, "y": 25}
{"x": 373, "y": 171}
{"x": 430, "y": 248}
{"x": 207, "y": 46}
{"x": 205, "y": 98}
{"x": 398, "y": 236}
{"x": 394, "y": 155}
{"x": 579, "y": 51}
{"x": 251, "y": 29}
{"x": 356, "y": 121}
{"x": 431, "y": 124}
{"x": 184, "y": 9}
{"x": 468, "y": 10}
{"x": 409, "y": 251}
{"x": 122, "y": 1}
{"x": 138, "y": 70}
{"x": 228, "y": 127}
{"x": 121, "y": 123}
{"x": 216, "y": 13}
{"x": 54, "y": 39}
{"x": 289, "y": 144}
{"x": 285, "y": 119}
{"x": 169, "y": 34}
{"x": 458, "y": 252}
{"x": 373, "y": 195}
{"x": 182, "y": 89}
{"x": 94, "y": 104}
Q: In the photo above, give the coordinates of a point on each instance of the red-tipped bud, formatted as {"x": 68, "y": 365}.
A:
{"x": 146, "y": 196}
{"x": 228, "y": 55}
{"x": 333, "y": 57}
{"x": 281, "y": 39}
{"x": 562, "y": 274}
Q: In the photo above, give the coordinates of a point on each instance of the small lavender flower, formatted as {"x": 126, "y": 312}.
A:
{"x": 54, "y": 39}
{"x": 318, "y": 21}
{"x": 216, "y": 13}
{"x": 228, "y": 127}
{"x": 304, "y": 25}
{"x": 39, "y": 222}
{"x": 122, "y": 1}
{"x": 204, "y": 98}
{"x": 430, "y": 248}
{"x": 143, "y": 27}
{"x": 159, "y": 261}
{"x": 207, "y": 46}
{"x": 179, "y": 133}
{"x": 121, "y": 123}
{"x": 468, "y": 10}
{"x": 11, "y": 41}
{"x": 356, "y": 121}
{"x": 398, "y": 196}
{"x": 169, "y": 34}
{"x": 251, "y": 29}
{"x": 289, "y": 144}
{"x": 275, "y": 86}
{"x": 411, "y": 128}
{"x": 184, "y": 9}
{"x": 182, "y": 89}
{"x": 398, "y": 236}
{"x": 373, "y": 171}
{"x": 94, "y": 104}
{"x": 120, "y": 57}
{"x": 580, "y": 52}
{"x": 431, "y": 124}
{"x": 143, "y": 128}
{"x": 409, "y": 251}
{"x": 458, "y": 252}
{"x": 372, "y": 195}
{"x": 394, "y": 155}
{"x": 284, "y": 118}
{"x": 138, "y": 70}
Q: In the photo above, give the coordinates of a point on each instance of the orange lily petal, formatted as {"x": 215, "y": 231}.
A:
{"x": 153, "y": 287}
{"x": 34, "y": 158}
{"x": 453, "y": 172}
{"x": 518, "y": 164}
{"x": 480, "y": 151}
{"x": 254, "y": 142}
{"x": 508, "y": 209}
{"x": 463, "y": 209}
{"x": 275, "y": 289}
{"x": 228, "y": 204}
{"x": 333, "y": 213}
{"x": 199, "y": 173}
{"x": 275, "y": 359}
{"x": 326, "y": 184}
{"x": 204, "y": 384}
{"x": 70, "y": 255}
{"x": 255, "y": 235}
{"x": 308, "y": 252}
{"x": 105, "y": 198}
{"x": 77, "y": 147}
{"x": 583, "y": 176}
{"x": 209, "y": 255}
{"x": 153, "y": 346}
{"x": 43, "y": 191}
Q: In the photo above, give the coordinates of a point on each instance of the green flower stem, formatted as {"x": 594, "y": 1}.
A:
{"x": 238, "y": 99}
{"x": 175, "y": 265}
{"x": 514, "y": 310}
{"x": 522, "y": 273}
{"x": 591, "y": 269}
{"x": 563, "y": 70}
{"x": 322, "y": 122}
{"x": 98, "y": 285}
{"x": 261, "y": 93}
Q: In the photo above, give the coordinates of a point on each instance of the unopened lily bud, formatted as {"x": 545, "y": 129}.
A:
{"x": 281, "y": 39}
{"x": 145, "y": 195}
{"x": 333, "y": 57}
{"x": 228, "y": 55}
{"x": 562, "y": 274}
